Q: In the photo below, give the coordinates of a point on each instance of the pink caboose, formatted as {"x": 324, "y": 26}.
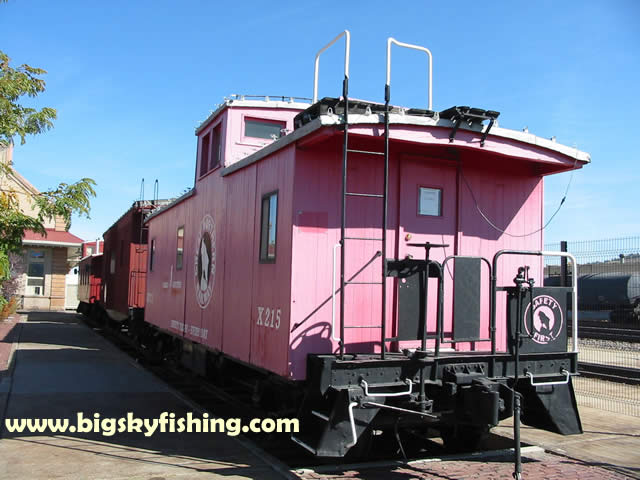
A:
{"x": 277, "y": 260}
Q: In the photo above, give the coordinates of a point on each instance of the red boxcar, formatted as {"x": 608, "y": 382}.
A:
{"x": 125, "y": 262}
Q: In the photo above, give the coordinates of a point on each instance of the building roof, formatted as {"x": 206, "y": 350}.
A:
{"x": 53, "y": 238}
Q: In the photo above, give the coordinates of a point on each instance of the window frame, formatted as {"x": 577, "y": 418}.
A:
{"x": 263, "y": 246}
{"x": 179, "y": 248}
{"x": 258, "y": 141}
{"x": 205, "y": 154}
{"x": 33, "y": 260}
{"x": 440, "y": 201}
{"x": 215, "y": 158}
{"x": 152, "y": 251}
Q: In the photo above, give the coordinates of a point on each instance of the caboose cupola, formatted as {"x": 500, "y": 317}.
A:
{"x": 242, "y": 125}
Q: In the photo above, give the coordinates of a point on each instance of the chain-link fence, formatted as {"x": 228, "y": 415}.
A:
{"x": 608, "y": 275}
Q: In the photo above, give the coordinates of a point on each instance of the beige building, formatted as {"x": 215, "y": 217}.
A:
{"x": 46, "y": 259}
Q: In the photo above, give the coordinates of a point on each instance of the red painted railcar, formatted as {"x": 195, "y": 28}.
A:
{"x": 117, "y": 282}
{"x": 364, "y": 256}
{"x": 125, "y": 264}
{"x": 89, "y": 277}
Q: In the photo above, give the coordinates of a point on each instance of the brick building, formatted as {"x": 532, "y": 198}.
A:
{"x": 46, "y": 260}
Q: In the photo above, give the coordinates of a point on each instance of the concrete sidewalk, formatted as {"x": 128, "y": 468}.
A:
{"x": 62, "y": 367}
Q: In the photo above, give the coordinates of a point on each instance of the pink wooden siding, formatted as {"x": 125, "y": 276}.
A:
{"x": 271, "y": 285}
{"x": 165, "y": 284}
{"x": 242, "y": 286}
{"x": 254, "y": 306}
{"x": 240, "y": 262}
{"x": 508, "y": 191}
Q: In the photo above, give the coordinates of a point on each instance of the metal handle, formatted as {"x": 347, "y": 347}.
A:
{"x": 347, "y": 50}
{"x": 542, "y": 384}
{"x": 390, "y": 41}
{"x": 353, "y": 425}
{"x": 365, "y": 387}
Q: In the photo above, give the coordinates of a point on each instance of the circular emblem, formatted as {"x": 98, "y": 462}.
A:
{"x": 547, "y": 319}
{"x": 205, "y": 261}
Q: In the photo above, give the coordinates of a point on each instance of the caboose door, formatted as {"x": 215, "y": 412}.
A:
{"x": 427, "y": 213}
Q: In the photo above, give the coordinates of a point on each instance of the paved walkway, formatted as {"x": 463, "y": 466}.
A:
{"x": 609, "y": 439}
{"x": 62, "y": 367}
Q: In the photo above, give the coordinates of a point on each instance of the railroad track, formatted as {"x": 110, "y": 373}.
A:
{"x": 611, "y": 373}
{"x": 631, "y": 335}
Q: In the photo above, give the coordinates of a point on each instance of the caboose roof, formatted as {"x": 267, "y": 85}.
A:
{"x": 256, "y": 101}
{"x": 145, "y": 206}
{"x": 314, "y": 121}
{"x": 319, "y": 118}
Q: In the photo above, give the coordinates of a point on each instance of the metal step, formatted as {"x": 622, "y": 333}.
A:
{"x": 363, "y": 238}
{"x": 370, "y": 195}
{"x": 367, "y": 152}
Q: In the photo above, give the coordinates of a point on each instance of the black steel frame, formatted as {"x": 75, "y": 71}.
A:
{"x": 343, "y": 237}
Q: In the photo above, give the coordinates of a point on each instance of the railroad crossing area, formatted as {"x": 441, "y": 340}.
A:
{"x": 52, "y": 365}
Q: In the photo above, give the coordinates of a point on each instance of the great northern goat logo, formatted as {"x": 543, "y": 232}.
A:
{"x": 547, "y": 319}
{"x": 205, "y": 261}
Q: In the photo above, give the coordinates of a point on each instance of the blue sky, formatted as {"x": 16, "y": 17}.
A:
{"x": 132, "y": 79}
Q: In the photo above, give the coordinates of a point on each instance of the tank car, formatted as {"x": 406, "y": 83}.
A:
{"x": 609, "y": 296}
{"x": 617, "y": 292}
{"x": 371, "y": 267}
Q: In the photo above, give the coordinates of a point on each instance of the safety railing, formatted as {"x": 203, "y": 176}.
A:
{"x": 393, "y": 41}
{"x": 347, "y": 51}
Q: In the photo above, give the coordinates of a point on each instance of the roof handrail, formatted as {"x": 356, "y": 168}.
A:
{"x": 392, "y": 40}
{"x": 347, "y": 50}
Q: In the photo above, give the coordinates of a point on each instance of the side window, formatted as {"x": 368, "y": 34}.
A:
{"x": 267, "y": 129}
{"x": 112, "y": 263}
{"x": 180, "y": 248}
{"x": 204, "y": 154}
{"x": 216, "y": 148}
{"x": 269, "y": 222}
{"x": 152, "y": 254}
{"x": 211, "y": 150}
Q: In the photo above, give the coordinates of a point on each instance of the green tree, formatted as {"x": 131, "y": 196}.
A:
{"x": 17, "y": 120}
